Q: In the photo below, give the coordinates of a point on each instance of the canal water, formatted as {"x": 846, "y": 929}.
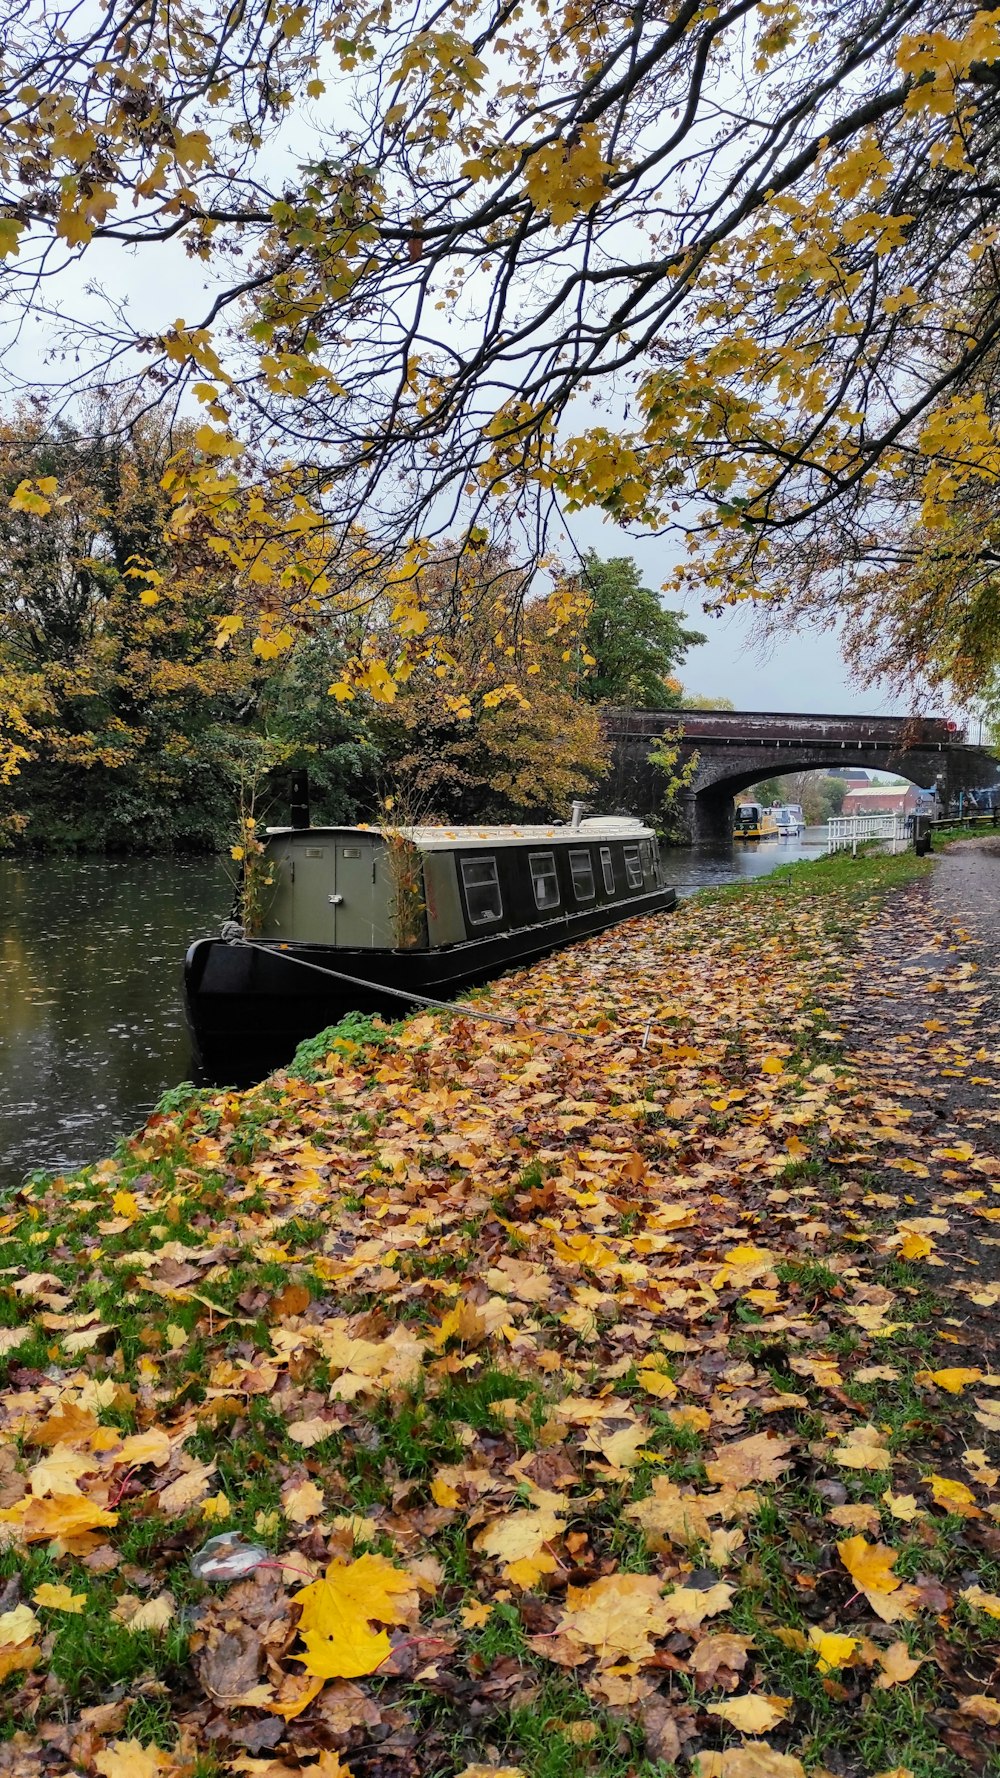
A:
{"x": 91, "y": 1023}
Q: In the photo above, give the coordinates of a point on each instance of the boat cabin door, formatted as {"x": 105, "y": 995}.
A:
{"x": 358, "y": 899}
{"x": 338, "y": 891}
{"x": 311, "y": 867}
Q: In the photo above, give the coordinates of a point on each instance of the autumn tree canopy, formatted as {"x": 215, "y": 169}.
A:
{"x": 521, "y": 736}
{"x": 726, "y": 267}
{"x": 135, "y": 711}
{"x": 121, "y": 719}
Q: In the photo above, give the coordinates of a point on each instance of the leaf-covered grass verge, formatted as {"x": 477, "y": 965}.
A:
{"x": 616, "y": 1381}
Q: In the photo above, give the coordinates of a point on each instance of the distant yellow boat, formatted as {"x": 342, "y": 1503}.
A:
{"x": 753, "y": 822}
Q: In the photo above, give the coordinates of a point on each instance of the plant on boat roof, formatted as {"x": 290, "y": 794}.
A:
{"x": 407, "y": 907}
{"x": 257, "y": 868}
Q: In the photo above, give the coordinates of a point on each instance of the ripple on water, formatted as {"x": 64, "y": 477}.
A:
{"x": 91, "y": 1021}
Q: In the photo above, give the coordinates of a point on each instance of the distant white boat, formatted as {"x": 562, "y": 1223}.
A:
{"x": 791, "y": 820}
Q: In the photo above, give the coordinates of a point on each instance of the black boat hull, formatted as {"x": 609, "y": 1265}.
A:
{"x": 250, "y": 1006}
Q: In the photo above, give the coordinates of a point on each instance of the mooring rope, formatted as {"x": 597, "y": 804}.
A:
{"x": 453, "y": 1006}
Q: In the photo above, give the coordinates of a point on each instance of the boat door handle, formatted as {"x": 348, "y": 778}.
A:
{"x": 335, "y": 900}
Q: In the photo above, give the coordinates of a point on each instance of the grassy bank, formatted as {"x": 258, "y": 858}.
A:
{"x": 964, "y": 830}
{"x": 578, "y": 1400}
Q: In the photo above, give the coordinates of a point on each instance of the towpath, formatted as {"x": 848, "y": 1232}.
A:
{"x": 924, "y": 1022}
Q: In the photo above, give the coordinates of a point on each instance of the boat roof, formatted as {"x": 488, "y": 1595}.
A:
{"x": 880, "y": 789}
{"x": 445, "y": 839}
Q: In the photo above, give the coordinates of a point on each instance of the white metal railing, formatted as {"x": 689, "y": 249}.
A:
{"x": 843, "y": 831}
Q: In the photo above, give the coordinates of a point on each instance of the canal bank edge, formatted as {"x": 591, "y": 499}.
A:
{"x": 511, "y": 1338}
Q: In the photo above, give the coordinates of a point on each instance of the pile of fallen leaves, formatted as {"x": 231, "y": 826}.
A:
{"x": 592, "y": 1400}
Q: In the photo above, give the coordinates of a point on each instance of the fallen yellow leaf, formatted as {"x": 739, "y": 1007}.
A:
{"x": 310, "y": 1432}
{"x": 755, "y": 1759}
{"x": 916, "y": 1246}
{"x": 953, "y": 1495}
{"x": 864, "y": 1448}
{"x": 980, "y": 1600}
{"x": 759, "y": 1458}
{"x": 863, "y": 1515}
{"x": 63, "y": 1515}
{"x": 901, "y": 1506}
{"x": 752, "y": 1713}
{"x": 296, "y": 1693}
{"x": 139, "y": 1615}
{"x": 480, "y": 1771}
{"x": 897, "y": 1665}
{"x": 981, "y": 1709}
{"x": 658, "y": 1383}
{"x": 338, "y": 1611}
{"x": 520, "y": 1541}
{"x": 954, "y": 1380}
{"x": 832, "y": 1649}
{"x": 474, "y": 1615}
{"x": 18, "y": 1625}
{"x": 130, "y": 1759}
{"x": 302, "y": 1502}
{"x": 616, "y": 1617}
{"x": 58, "y": 1598}
{"x": 19, "y": 1658}
{"x": 869, "y": 1565}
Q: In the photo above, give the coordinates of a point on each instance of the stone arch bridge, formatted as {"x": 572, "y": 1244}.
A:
{"x": 738, "y": 748}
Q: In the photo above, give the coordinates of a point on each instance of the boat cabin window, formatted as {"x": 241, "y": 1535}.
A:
{"x": 608, "y": 867}
{"x": 633, "y": 868}
{"x": 482, "y": 890}
{"x": 544, "y": 879}
{"x": 582, "y": 868}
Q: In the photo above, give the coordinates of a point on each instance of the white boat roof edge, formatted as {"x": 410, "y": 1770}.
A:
{"x": 441, "y": 838}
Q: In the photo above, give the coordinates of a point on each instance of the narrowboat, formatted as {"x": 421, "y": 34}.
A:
{"x": 753, "y": 822}
{"x": 791, "y": 820}
{"x": 360, "y": 918}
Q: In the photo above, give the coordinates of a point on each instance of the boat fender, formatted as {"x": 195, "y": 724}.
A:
{"x": 231, "y": 932}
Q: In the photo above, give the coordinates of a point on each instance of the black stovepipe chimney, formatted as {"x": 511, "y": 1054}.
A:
{"x": 300, "y": 799}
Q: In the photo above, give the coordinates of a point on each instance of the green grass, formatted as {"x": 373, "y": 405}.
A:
{"x": 356, "y": 1030}
{"x": 872, "y": 874}
{"x": 970, "y": 827}
{"x": 93, "y": 1654}
{"x": 559, "y": 1732}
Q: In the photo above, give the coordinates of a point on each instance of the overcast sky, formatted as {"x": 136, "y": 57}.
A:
{"x": 805, "y": 671}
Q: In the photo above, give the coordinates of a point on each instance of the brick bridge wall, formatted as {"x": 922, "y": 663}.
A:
{"x": 737, "y": 749}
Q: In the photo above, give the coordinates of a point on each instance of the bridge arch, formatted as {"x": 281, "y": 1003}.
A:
{"x": 736, "y": 749}
{"x": 707, "y": 811}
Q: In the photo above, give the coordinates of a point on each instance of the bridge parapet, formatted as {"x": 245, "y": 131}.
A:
{"x": 743, "y": 727}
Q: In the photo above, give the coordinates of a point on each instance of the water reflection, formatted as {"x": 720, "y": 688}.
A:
{"x": 91, "y": 1021}
{"x": 708, "y": 867}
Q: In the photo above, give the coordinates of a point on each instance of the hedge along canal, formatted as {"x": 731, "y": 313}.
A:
{"x": 91, "y": 1020}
